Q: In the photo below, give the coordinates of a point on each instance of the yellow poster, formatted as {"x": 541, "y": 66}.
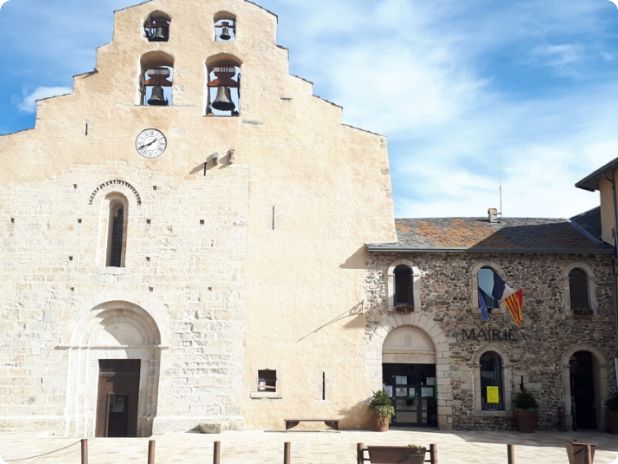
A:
{"x": 493, "y": 395}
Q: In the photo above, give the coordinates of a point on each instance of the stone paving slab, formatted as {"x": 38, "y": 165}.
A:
{"x": 325, "y": 447}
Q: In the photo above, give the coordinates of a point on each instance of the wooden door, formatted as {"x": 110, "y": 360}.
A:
{"x": 118, "y": 396}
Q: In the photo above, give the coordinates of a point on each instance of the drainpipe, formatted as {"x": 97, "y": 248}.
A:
{"x": 614, "y": 269}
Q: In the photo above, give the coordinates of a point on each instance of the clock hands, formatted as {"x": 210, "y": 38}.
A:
{"x": 147, "y": 144}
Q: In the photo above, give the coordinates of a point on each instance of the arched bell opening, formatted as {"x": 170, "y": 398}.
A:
{"x": 224, "y": 26}
{"x": 156, "y": 79}
{"x": 223, "y": 87}
{"x": 157, "y": 27}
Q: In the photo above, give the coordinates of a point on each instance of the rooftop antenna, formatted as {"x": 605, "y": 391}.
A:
{"x": 500, "y": 192}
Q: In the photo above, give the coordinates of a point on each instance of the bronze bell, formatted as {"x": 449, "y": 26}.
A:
{"x": 157, "y": 97}
{"x": 159, "y": 34}
{"x": 223, "y": 101}
{"x": 225, "y": 32}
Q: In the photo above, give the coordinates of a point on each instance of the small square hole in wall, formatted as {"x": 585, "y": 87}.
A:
{"x": 70, "y": 258}
{"x": 147, "y": 221}
{"x": 72, "y": 289}
{"x": 12, "y": 220}
{"x": 201, "y": 222}
{"x": 79, "y": 221}
{"x": 154, "y": 187}
{"x": 151, "y": 289}
{"x": 148, "y": 258}
{"x": 267, "y": 380}
{"x": 74, "y": 186}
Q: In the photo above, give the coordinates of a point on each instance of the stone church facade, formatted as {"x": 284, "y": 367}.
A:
{"x": 192, "y": 238}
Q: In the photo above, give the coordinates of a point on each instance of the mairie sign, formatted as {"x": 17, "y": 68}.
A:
{"x": 489, "y": 335}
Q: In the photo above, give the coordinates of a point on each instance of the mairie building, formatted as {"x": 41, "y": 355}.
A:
{"x": 192, "y": 240}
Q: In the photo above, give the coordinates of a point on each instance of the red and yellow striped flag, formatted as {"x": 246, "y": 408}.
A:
{"x": 514, "y": 304}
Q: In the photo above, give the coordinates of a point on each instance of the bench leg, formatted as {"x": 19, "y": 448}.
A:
{"x": 290, "y": 424}
{"x": 333, "y": 424}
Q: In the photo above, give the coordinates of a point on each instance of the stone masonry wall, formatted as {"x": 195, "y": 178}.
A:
{"x": 536, "y": 352}
{"x": 186, "y": 244}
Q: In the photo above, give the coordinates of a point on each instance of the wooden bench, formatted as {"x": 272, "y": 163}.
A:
{"x": 332, "y": 423}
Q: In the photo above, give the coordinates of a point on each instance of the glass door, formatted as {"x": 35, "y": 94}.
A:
{"x": 412, "y": 388}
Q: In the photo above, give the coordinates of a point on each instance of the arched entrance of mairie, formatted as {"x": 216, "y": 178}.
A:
{"x": 412, "y": 346}
{"x": 584, "y": 377}
{"x": 113, "y": 372}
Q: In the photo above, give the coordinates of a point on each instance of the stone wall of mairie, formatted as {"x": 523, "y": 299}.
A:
{"x": 547, "y": 334}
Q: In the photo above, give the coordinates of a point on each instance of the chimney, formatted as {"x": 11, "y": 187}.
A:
{"x": 492, "y": 214}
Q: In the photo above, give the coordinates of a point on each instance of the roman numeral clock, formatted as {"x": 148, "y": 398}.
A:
{"x": 150, "y": 143}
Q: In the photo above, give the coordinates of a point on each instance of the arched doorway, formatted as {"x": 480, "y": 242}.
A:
{"x": 113, "y": 372}
{"x": 409, "y": 376}
{"x": 583, "y": 391}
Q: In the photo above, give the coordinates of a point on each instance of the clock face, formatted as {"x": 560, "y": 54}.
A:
{"x": 150, "y": 143}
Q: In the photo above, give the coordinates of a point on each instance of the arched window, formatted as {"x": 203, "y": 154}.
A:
{"x": 157, "y": 27}
{"x": 486, "y": 285}
{"x": 117, "y": 231}
{"x": 403, "y": 286}
{"x": 578, "y": 292}
{"x": 223, "y": 87}
{"x": 225, "y": 27}
{"x": 492, "y": 385}
{"x": 156, "y": 79}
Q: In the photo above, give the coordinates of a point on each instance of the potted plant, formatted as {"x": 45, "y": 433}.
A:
{"x": 525, "y": 411}
{"x": 612, "y": 413}
{"x": 383, "y": 410}
{"x": 411, "y": 454}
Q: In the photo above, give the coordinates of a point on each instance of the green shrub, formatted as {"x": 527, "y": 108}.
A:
{"x": 525, "y": 401}
{"x": 382, "y": 405}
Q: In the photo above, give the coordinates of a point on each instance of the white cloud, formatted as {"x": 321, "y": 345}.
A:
{"x": 28, "y": 103}
{"x": 615, "y": 2}
{"x": 2, "y": 2}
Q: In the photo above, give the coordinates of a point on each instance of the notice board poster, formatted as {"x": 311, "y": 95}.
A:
{"x": 493, "y": 395}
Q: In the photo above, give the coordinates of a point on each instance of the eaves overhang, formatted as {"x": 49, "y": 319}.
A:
{"x": 388, "y": 248}
{"x": 591, "y": 181}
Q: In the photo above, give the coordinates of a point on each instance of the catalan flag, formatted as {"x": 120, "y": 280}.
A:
{"x": 514, "y": 303}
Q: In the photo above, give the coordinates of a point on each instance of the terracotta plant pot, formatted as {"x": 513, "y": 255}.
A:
{"x": 525, "y": 419}
{"x": 381, "y": 423}
{"x": 612, "y": 422}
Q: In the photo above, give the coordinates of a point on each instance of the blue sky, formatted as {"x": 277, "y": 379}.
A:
{"x": 467, "y": 92}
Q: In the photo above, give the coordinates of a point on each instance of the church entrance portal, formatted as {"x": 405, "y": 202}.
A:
{"x": 583, "y": 401}
{"x": 117, "y": 398}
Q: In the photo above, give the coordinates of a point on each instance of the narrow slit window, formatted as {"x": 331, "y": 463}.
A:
{"x": 117, "y": 233}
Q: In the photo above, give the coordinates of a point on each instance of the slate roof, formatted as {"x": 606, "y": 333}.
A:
{"x": 510, "y": 235}
{"x": 590, "y": 221}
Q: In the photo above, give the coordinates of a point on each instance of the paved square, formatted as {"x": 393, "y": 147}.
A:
{"x": 308, "y": 447}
